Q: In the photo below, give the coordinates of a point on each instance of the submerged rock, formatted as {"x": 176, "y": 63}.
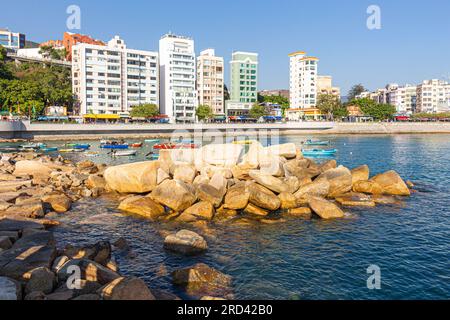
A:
{"x": 10, "y": 289}
{"x": 355, "y": 200}
{"x": 185, "y": 242}
{"x": 142, "y": 206}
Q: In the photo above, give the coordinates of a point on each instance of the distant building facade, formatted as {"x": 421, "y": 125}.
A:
{"x": 178, "y": 90}
{"x": 433, "y": 96}
{"x": 12, "y": 40}
{"x": 282, "y": 92}
{"x": 303, "y": 71}
{"x": 325, "y": 86}
{"x": 112, "y": 79}
{"x": 72, "y": 39}
{"x": 210, "y": 81}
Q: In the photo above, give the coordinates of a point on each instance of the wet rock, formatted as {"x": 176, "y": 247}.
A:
{"x": 10, "y": 289}
{"x": 223, "y": 213}
{"x": 201, "y": 280}
{"x": 59, "y": 262}
{"x": 40, "y": 279}
{"x": 185, "y": 242}
{"x": 143, "y": 206}
{"x": 59, "y": 202}
{"x": 386, "y": 200}
{"x": 13, "y": 236}
{"x": 90, "y": 271}
{"x": 360, "y": 174}
{"x": 255, "y": 210}
{"x": 5, "y": 242}
{"x": 355, "y": 200}
{"x": 325, "y": 209}
{"x": 369, "y": 187}
{"x": 126, "y": 288}
{"x": 209, "y": 298}
{"x": 174, "y": 194}
{"x": 99, "y": 252}
{"x": 317, "y": 188}
{"x": 201, "y": 210}
{"x": 392, "y": 184}
{"x": 19, "y": 225}
{"x": 262, "y": 197}
{"x": 236, "y": 198}
{"x": 288, "y": 200}
{"x": 121, "y": 244}
{"x": 34, "y": 210}
{"x": 301, "y": 212}
{"x": 35, "y": 296}
{"x": 138, "y": 177}
{"x": 87, "y": 297}
{"x": 340, "y": 180}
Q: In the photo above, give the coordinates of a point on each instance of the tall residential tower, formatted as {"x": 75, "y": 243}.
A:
{"x": 303, "y": 80}
{"x": 210, "y": 81}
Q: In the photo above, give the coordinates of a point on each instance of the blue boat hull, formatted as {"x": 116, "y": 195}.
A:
{"x": 318, "y": 152}
{"x": 110, "y": 146}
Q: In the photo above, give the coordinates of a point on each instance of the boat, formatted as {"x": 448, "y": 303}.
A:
{"x": 49, "y": 149}
{"x": 114, "y": 146}
{"x": 81, "y": 146}
{"x": 136, "y": 145}
{"x": 152, "y": 140}
{"x": 316, "y": 143}
{"x": 91, "y": 154}
{"x": 318, "y": 152}
{"x": 165, "y": 146}
{"x": 66, "y": 150}
{"x": 244, "y": 141}
{"x": 124, "y": 153}
{"x": 33, "y": 145}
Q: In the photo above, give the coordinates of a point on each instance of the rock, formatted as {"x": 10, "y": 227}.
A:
{"x": 84, "y": 165}
{"x": 273, "y": 166}
{"x": 185, "y": 173}
{"x": 301, "y": 212}
{"x": 274, "y": 184}
{"x": 255, "y": 154}
{"x": 32, "y": 168}
{"x": 185, "y": 242}
{"x": 369, "y": 187}
{"x": 95, "y": 181}
{"x": 5, "y": 242}
{"x": 40, "y": 279}
{"x": 209, "y": 298}
{"x": 140, "y": 177}
{"x": 33, "y": 210}
{"x": 386, "y": 200}
{"x": 142, "y": 206}
{"x": 35, "y": 296}
{"x": 223, "y": 213}
{"x": 201, "y": 280}
{"x": 99, "y": 252}
{"x": 225, "y": 155}
{"x": 293, "y": 183}
{"x": 59, "y": 202}
{"x": 174, "y": 194}
{"x": 121, "y": 244}
{"x": 392, "y": 184}
{"x": 410, "y": 184}
{"x": 360, "y": 174}
{"x": 317, "y": 188}
{"x": 60, "y": 295}
{"x": 10, "y": 289}
{"x": 59, "y": 262}
{"x": 241, "y": 171}
{"x": 286, "y": 150}
{"x": 126, "y": 288}
{"x": 331, "y": 164}
{"x": 90, "y": 271}
{"x": 262, "y": 197}
{"x": 10, "y": 196}
{"x": 161, "y": 176}
{"x": 19, "y": 225}
{"x": 255, "y": 210}
{"x": 236, "y": 198}
{"x": 87, "y": 297}
{"x": 355, "y": 199}
{"x": 325, "y": 209}
{"x": 207, "y": 192}
{"x": 203, "y": 210}
{"x": 219, "y": 182}
{"x": 209, "y": 171}
{"x": 12, "y": 186}
{"x": 288, "y": 200}
{"x": 13, "y": 236}
{"x": 340, "y": 180}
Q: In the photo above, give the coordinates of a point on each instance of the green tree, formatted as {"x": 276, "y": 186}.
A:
{"x": 258, "y": 111}
{"x": 5, "y": 73}
{"x": 356, "y": 90}
{"x": 276, "y": 99}
{"x": 377, "y": 111}
{"x": 145, "y": 111}
{"x": 204, "y": 112}
{"x": 329, "y": 104}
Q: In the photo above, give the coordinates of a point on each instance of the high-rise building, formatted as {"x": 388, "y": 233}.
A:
{"x": 210, "y": 81}
{"x": 325, "y": 86}
{"x": 244, "y": 83}
{"x": 433, "y": 96}
{"x": 402, "y": 97}
{"x": 72, "y": 39}
{"x": 112, "y": 79}
{"x": 12, "y": 40}
{"x": 178, "y": 92}
{"x": 303, "y": 80}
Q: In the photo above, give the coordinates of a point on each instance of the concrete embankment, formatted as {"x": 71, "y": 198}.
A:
{"x": 38, "y": 131}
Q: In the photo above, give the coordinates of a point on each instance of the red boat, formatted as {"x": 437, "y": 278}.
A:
{"x": 165, "y": 146}
{"x": 136, "y": 145}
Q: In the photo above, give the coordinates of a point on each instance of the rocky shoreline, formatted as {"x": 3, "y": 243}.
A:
{"x": 186, "y": 190}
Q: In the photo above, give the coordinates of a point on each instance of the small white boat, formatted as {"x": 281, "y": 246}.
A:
{"x": 124, "y": 153}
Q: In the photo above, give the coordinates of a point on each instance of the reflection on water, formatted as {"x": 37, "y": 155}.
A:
{"x": 309, "y": 259}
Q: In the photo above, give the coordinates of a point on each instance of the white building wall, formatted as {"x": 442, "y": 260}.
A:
{"x": 303, "y": 80}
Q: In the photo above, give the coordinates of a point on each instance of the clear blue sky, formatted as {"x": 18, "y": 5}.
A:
{"x": 413, "y": 44}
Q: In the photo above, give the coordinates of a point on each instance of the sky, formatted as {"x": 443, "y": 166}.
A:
{"x": 412, "y": 45}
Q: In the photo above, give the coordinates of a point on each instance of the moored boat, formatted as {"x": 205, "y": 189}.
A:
{"x": 49, "y": 149}
{"x": 165, "y": 146}
{"x": 245, "y": 142}
{"x": 114, "y": 146}
{"x": 137, "y": 145}
{"x": 318, "y": 152}
{"x": 82, "y": 146}
{"x": 152, "y": 140}
{"x": 124, "y": 153}
{"x": 316, "y": 143}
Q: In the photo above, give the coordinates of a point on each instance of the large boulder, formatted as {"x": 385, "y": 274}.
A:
{"x": 206, "y": 192}
{"x": 270, "y": 182}
{"x": 140, "y": 177}
{"x": 12, "y": 186}
{"x": 201, "y": 280}
{"x": 226, "y": 155}
{"x": 185, "y": 242}
{"x": 360, "y": 174}
{"x": 142, "y": 206}
{"x": 317, "y": 188}
{"x": 300, "y": 212}
{"x": 126, "y": 288}
{"x": 236, "y": 198}
{"x": 34, "y": 210}
{"x": 392, "y": 184}
{"x": 90, "y": 271}
{"x": 369, "y": 187}
{"x": 5, "y": 242}
{"x": 255, "y": 210}
{"x": 209, "y": 171}
{"x": 256, "y": 153}
{"x": 185, "y": 173}
{"x": 99, "y": 252}
{"x": 288, "y": 200}
{"x": 59, "y": 202}
{"x": 286, "y": 150}
{"x": 201, "y": 210}
{"x": 95, "y": 181}
{"x": 10, "y": 289}
{"x": 32, "y": 168}
{"x": 355, "y": 200}
{"x": 272, "y": 165}
{"x": 262, "y": 197}
{"x": 340, "y": 180}
{"x": 331, "y": 164}
{"x": 174, "y": 194}
{"x": 325, "y": 209}
{"x": 41, "y": 279}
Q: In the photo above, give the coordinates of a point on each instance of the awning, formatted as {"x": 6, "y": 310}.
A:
{"x": 102, "y": 116}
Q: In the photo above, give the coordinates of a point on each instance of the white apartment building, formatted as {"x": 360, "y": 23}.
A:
{"x": 402, "y": 97}
{"x": 178, "y": 78}
{"x": 303, "y": 80}
{"x": 12, "y": 40}
{"x": 433, "y": 96}
{"x": 112, "y": 79}
{"x": 210, "y": 81}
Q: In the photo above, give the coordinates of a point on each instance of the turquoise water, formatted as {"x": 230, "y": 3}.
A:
{"x": 311, "y": 259}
